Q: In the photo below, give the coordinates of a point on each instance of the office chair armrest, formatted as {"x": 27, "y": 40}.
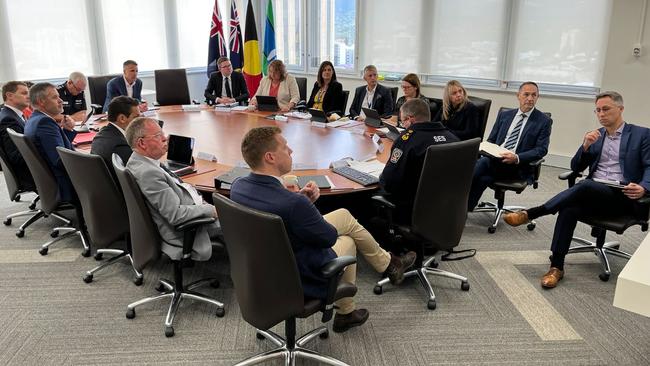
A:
{"x": 645, "y": 199}
{"x": 536, "y": 162}
{"x": 570, "y": 176}
{"x": 195, "y": 223}
{"x": 337, "y": 265}
{"x": 383, "y": 201}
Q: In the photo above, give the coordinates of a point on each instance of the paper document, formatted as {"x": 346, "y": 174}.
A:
{"x": 385, "y": 129}
{"x": 341, "y": 122}
{"x": 372, "y": 167}
{"x": 491, "y": 149}
{"x": 239, "y": 108}
{"x": 611, "y": 183}
{"x": 228, "y": 105}
{"x": 296, "y": 114}
{"x": 191, "y": 107}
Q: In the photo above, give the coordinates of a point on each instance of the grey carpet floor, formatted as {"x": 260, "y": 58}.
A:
{"x": 49, "y": 316}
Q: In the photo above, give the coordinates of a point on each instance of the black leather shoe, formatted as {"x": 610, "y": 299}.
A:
{"x": 398, "y": 265}
{"x": 347, "y": 321}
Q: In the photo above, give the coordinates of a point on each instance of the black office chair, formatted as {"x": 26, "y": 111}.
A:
{"x": 440, "y": 210}
{"x": 146, "y": 247}
{"x": 302, "y": 87}
{"x": 267, "y": 282}
{"x": 344, "y": 104}
{"x": 435, "y": 104}
{"x": 15, "y": 188}
{"x": 599, "y": 227}
{"x": 97, "y": 88}
{"x": 393, "y": 93}
{"x": 502, "y": 186}
{"x": 483, "y": 105}
{"x": 171, "y": 87}
{"x": 103, "y": 207}
{"x": 48, "y": 190}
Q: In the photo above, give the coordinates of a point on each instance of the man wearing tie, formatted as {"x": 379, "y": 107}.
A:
{"x": 16, "y": 97}
{"x": 170, "y": 201}
{"x": 525, "y": 132}
{"x": 226, "y": 86}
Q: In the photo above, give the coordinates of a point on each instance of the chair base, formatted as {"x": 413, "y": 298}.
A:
{"x": 498, "y": 212}
{"x": 36, "y": 214}
{"x": 291, "y": 353}
{"x": 177, "y": 292}
{"x": 118, "y": 254}
{"x": 609, "y": 248}
{"x": 428, "y": 268}
{"x": 67, "y": 232}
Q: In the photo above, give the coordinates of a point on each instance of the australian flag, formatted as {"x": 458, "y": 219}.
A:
{"x": 217, "y": 45}
{"x": 236, "y": 49}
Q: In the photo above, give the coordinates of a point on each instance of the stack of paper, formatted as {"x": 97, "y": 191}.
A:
{"x": 494, "y": 150}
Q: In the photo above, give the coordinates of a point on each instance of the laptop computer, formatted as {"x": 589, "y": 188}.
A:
{"x": 372, "y": 118}
{"x": 393, "y": 133}
{"x": 317, "y": 115}
{"x": 267, "y": 103}
{"x": 179, "y": 154}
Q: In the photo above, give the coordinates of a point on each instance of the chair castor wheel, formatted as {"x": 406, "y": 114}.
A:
{"x": 325, "y": 334}
{"x": 42, "y": 251}
{"x": 138, "y": 281}
{"x": 7, "y": 221}
{"x": 169, "y": 332}
{"x": 604, "y": 277}
{"x": 434, "y": 264}
{"x": 99, "y": 256}
{"x": 54, "y": 233}
{"x": 130, "y": 313}
{"x": 259, "y": 336}
{"x": 88, "y": 278}
{"x": 86, "y": 252}
{"x": 160, "y": 287}
{"x": 17, "y": 198}
{"x": 492, "y": 229}
{"x": 431, "y": 304}
{"x": 464, "y": 286}
{"x": 32, "y": 206}
{"x": 221, "y": 312}
{"x": 215, "y": 284}
{"x": 20, "y": 233}
{"x": 531, "y": 226}
{"x": 378, "y": 290}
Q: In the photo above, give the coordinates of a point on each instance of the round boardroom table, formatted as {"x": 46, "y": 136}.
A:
{"x": 220, "y": 134}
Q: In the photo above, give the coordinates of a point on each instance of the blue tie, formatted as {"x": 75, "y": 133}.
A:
{"x": 514, "y": 135}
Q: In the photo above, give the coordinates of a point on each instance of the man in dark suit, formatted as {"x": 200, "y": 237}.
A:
{"x": 619, "y": 152}
{"x": 373, "y": 95}
{"x": 47, "y": 135}
{"x": 315, "y": 239}
{"x": 128, "y": 84}
{"x": 16, "y": 97}
{"x": 226, "y": 86}
{"x": 525, "y": 132}
{"x": 111, "y": 139}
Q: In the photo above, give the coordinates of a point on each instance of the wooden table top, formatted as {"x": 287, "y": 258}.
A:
{"x": 220, "y": 134}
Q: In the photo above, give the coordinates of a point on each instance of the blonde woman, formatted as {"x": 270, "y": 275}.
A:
{"x": 458, "y": 113}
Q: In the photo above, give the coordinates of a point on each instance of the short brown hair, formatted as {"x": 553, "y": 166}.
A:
{"x": 222, "y": 59}
{"x": 11, "y": 87}
{"x": 617, "y": 98}
{"x": 414, "y": 81}
{"x": 258, "y": 142}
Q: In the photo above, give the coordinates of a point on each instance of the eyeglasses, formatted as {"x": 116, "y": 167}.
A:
{"x": 407, "y": 86}
{"x": 155, "y": 135}
{"x": 77, "y": 88}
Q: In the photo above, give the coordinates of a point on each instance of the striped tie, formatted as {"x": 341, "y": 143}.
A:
{"x": 514, "y": 135}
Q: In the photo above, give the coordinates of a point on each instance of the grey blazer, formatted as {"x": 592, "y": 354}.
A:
{"x": 170, "y": 204}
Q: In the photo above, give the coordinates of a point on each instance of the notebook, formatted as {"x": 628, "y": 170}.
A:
{"x": 321, "y": 180}
{"x": 230, "y": 176}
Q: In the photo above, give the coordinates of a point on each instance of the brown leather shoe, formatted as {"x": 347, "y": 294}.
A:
{"x": 347, "y": 321}
{"x": 398, "y": 265}
{"x": 516, "y": 218}
{"x": 552, "y": 277}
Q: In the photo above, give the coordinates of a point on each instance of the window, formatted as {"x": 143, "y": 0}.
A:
{"x": 194, "y": 18}
{"x": 335, "y": 36}
{"x": 49, "y": 41}
{"x": 135, "y": 30}
{"x": 559, "y": 44}
{"x": 288, "y": 32}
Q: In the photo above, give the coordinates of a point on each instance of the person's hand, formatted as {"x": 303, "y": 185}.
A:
{"x": 590, "y": 138}
{"x": 509, "y": 157}
{"x": 225, "y": 100}
{"x": 214, "y": 212}
{"x": 144, "y": 106}
{"x": 285, "y": 109}
{"x": 359, "y": 118}
{"x": 633, "y": 191}
{"x": 311, "y": 191}
{"x": 67, "y": 123}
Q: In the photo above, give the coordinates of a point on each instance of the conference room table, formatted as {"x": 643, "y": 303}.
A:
{"x": 314, "y": 148}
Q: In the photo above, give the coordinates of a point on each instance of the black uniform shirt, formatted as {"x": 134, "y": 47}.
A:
{"x": 71, "y": 103}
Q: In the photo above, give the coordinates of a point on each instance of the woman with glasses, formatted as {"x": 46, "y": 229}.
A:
{"x": 278, "y": 83}
{"x": 458, "y": 113}
{"x": 327, "y": 94}
{"x": 411, "y": 89}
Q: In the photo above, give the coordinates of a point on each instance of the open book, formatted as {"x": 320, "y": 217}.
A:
{"x": 490, "y": 149}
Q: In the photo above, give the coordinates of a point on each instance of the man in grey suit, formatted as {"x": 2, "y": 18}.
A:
{"x": 171, "y": 202}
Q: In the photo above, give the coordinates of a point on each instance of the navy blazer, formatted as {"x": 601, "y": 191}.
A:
{"x": 311, "y": 236}
{"x": 117, "y": 86}
{"x": 110, "y": 140}
{"x": 634, "y": 155}
{"x": 382, "y": 101}
{"x": 46, "y": 135}
{"x": 332, "y": 100}
{"x": 11, "y": 120}
{"x": 238, "y": 87}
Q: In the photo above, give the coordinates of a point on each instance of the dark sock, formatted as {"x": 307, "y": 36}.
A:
{"x": 558, "y": 261}
{"x": 535, "y": 212}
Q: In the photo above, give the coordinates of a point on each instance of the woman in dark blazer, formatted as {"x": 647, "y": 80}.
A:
{"x": 411, "y": 88}
{"x": 327, "y": 94}
{"x": 458, "y": 113}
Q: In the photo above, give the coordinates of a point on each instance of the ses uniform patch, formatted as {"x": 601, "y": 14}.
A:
{"x": 395, "y": 155}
